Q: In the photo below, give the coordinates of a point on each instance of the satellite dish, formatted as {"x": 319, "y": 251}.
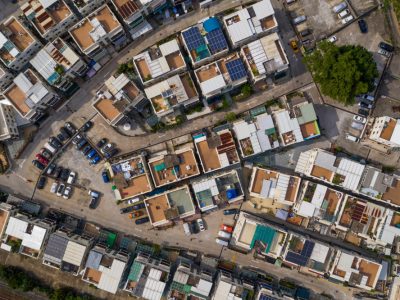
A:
{"x": 127, "y": 126}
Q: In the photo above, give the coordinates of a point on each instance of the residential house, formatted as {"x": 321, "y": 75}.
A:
{"x": 216, "y": 151}
{"x": 26, "y": 235}
{"x": 159, "y": 61}
{"x": 266, "y": 59}
{"x": 257, "y": 135}
{"x": 190, "y": 282}
{"x": 307, "y": 254}
{"x": 278, "y": 187}
{"x": 50, "y": 18}
{"x": 17, "y": 44}
{"x": 323, "y": 165}
{"x": 154, "y": 6}
{"x": 251, "y": 22}
{"x": 164, "y": 208}
{"x": 221, "y": 76}
{"x": 228, "y": 287}
{"x": 288, "y": 127}
{"x": 357, "y": 271}
{"x": 389, "y": 229}
{"x": 205, "y": 3}
{"x": 178, "y": 90}
{"x": 97, "y": 32}
{"x": 105, "y": 269}
{"x": 116, "y": 98}
{"x": 30, "y": 96}
{"x": 148, "y": 277}
{"x": 386, "y": 131}
{"x": 6, "y": 211}
{"x": 252, "y": 232}
{"x": 66, "y": 251}
{"x": 85, "y": 7}
{"x": 132, "y": 12}
{"x": 307, "y": 118}
{"x": 205, "y": 41}
{"x": 59, "y": 64}
{"x": 8, "y": 125}
{"x": 130, "y": 177}
{"x": 5, "y": 78}
{"x": 218, "y": 190}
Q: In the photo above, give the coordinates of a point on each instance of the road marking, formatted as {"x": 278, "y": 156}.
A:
{"x": 22, "y": 163}
{"x": 20, "y": 176}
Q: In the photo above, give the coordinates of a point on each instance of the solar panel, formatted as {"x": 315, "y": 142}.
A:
{"x": 216, "y": 41}
{"x": 307, "y": 249}
{"x": 193, "y": 38}
{"x": 236, "y": 69}
{"x": 296, "y": 258}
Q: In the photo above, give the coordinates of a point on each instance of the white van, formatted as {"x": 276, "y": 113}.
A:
{"x": 338, "y": 8}
{"x": 221, "y": 242}
{"x": 224, "y": 234}
{"x": 50, "y": 148}
{"x": 351, "y": 138}
{"x": 186, "y": 229}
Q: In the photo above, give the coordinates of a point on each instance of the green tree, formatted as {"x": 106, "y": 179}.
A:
{"x": 342, "y": 72}
{"x": 230, "y": 117}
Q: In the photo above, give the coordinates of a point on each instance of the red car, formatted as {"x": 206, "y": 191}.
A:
{"x": 226, "y": 228}
{"x": 42, "y": 159}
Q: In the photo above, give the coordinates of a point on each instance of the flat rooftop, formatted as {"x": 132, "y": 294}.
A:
{"x": 208, "y": 156}
{"x": 156, "y": 208}
{"x": 387, "y": 131}
{"x": 259, "y": 177}
{"x": 393, "y": 193}
{"x": 321, "y": 172}
{"x": 107, "y": 109}
{"x": 17, "y": 97}
{"x": 3, "y": 219}
{"x": 98, "y": 24}
{"x": 126, "y": 8}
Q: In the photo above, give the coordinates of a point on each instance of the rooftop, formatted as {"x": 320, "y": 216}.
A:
{"x": 4, "y": 215}
{"x": 126, "y": 8}
{"x": 169, "y": 168}
{"x": 14, "y": 38}
{"x": 216, "y": 151}
{"x": 159, "y": 60}
{"x": 391, "y": 132}
{"x": 46, "y": 14}
{"x": 266, "y": 55}
{"x": 130, "y": 177}
{"x": 94, "y": 27}
{"x": 390, "y": 230}
{"x": 190, "y": 283}
{"x": 205, "y": 39}
{"x": 250, "y": 21}
{"x": 288, "y": 127}
{"x": 393, "y": 193}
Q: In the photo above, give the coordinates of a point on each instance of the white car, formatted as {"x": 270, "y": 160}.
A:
{"x": 343, "y": 13}
{"x": 54, "y": 187}
{"x": 67, "y": 192}
{"x": 360, "y": 119}
{"x": 347, "y": 19}
{"x": 71, "y": 178}
{"x": 107, "y": 148}
{"x": 60, "y": 190}
{"x": 332, "y": 39}
{"x": 383, "y": 52}
{"x": 201, "y": 224}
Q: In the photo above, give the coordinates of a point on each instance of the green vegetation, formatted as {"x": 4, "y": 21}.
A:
{"x": 337, "y": 179}
{"x": 195, "y": 108}
{"x": 15, "y": 245}
{"x": 396, "y": 7}
{"x": 59, "y": 69}
{"x": 230, "y": 117}
{"x": 17, "y": 278}
{"x": 245, "y": 91}
{"x": 126, "y": 68}
{"x": 342, "y": 72}
{"x": 388, "y": 169}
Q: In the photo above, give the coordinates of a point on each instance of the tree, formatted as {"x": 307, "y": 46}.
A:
{"x": 342, "y": 72}
{"x": 230, "y": 117}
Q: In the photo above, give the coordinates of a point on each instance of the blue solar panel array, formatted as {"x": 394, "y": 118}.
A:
{"x": 296, "y": 258}
{"x": 307, "y": 249}
{"x": 216, "y": 41}
{"x": 193, "y": 38}
{"x": 236, "y": 69}
{"x": 266, "y": 297}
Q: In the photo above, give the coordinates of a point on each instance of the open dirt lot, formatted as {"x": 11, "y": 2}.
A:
{"x": 390, "y": 85}
{"x": 362, "y": 6}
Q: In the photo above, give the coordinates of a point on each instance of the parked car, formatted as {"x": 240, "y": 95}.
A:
{"x": 77, "y": 138}
{"x": 332, "y": 39}
{"x": 101, "y": 143}
{"x": 305, "y": 32}
{"x": 231, "y": 211}
{"x": 386, "y": 46}
{"x": 112, "y": 153}
{"x": 87, "y": 126}
{"x": 92, "y": 153}
{"x": 42, "y": 159}
{"x": 200, "y": 223}
{"x": 104, "y": 175}
{"x": 107, "y": 148}
{"x": 294, "y": 46}
{"x": 367, "y": 98}
{"x": 67, "y": 192}
{"x": 87, "y": 149}
{"x": 126, "y": 210}
{"x": 193, "y": 227}
{"x": 135, "y": 214}
{"x": 81, "y": 143}
{"x": 365, "y": 105}
{"x": 351, "y": 138}
{"x": 186, "y": 229}
{"x": 133, "y": 200}
{"x": 46, "y": 153}
{"x": 54, "y": 187}
{"x": 64, "y": 174}
{"x": 51, "y": 168}
{"x": 71, "y": 178}
{"x": 65, "y": 133}
{"x": 298, "y": 20}
{"x": 363, "y": 25}
{"x": 60, "y": 189}
{"x": 226, "y": 228}
{"x": 221, "y": 242}
{"x": 142, "y": 220}
{"x": 359, "y": 119}
{"x": 38, "y": 164}
{"x": 338, "y": 8}
{"x": 53, "y": 141}
{"x": 61, "y": 138}
{"x": 41, "y": 182}
{"x": 50, "y": 148}
{"x": 70, "y": 127}
{"x": 383, "y": 52}
{"x": 57, "y": 171}
{"x": 138, "y": 206}
{"x": 364, "y": 112}
{"x": 95, "y": 160}
{"x": 94, "y": 199}
{"x": 343, "y": 13}
{"x": 357, "y": 125}
{"x": 224, "y": 234}
{"x": 347, "y": 19}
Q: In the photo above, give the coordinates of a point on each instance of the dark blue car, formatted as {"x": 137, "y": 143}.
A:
{"x": 95, "y": 159}
{"x": 91, "y": 154}
{"x": 105, "y": 176}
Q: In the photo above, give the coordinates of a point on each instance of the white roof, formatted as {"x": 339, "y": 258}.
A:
{"x": 325, "y": 160}
{"x": 16, "y": 228}
{"x": 319, "y": 195}
{"x": 3, "y": 39}
{"x": 303, "y": 163}
{"x": 34, "y": 240}
{"x": 352, "y": 171}
{"x": 169, "y": 47}
{"x": 203, "y": 287}
{"x": 223, "y": 292}
{"x": 320, "y": 252}
{"x": 243, "y": 129}
{"x": 178, "y": 89}
{"x": 395, "y": 138}
{"x": 214, "y": 84}
{"x": 282, "y": 186}
{"x": 47, "y": 3}
{"x": 111, "y": 277}
{"x": 98, "y": 30}
{"x": 153, "y": 288}
{"x": 44, "y": 63}
{"x": 210, "y": 184}
{"x": 74, "y": 253}
{"x": 389, "y": 232}
{"x": 306, "y": 209}
{"x": 286, "y": 124}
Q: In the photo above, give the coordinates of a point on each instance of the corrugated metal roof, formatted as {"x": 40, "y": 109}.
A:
{"x": 56, "y": 246}
{"x": 74, "y": 253}
{"x": 34, "y": 240}
{"x": 44, "y": 64}
{"x": 93, "y": 260}
{"x": 111, "y": 277}
{"x": 214, "y": 84}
